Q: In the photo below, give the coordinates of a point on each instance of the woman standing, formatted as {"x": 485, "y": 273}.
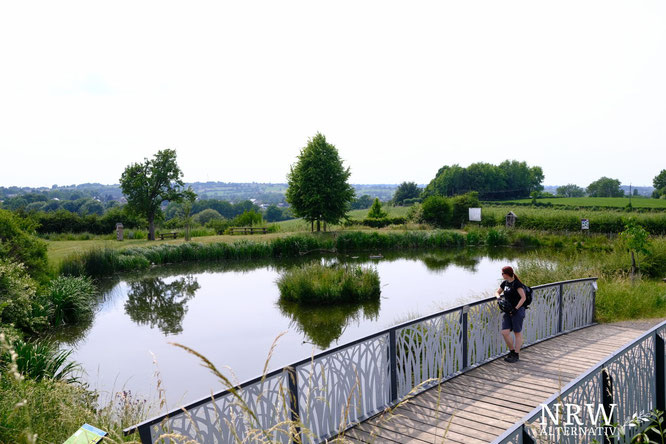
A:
{"x": 513, "y": 291}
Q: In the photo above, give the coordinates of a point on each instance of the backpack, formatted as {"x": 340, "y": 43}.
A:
{"x": 528, "y": 296}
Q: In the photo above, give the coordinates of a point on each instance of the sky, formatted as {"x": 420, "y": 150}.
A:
{"x": 400, "y": 88}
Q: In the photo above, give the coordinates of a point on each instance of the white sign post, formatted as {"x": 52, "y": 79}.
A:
{"x": 475, "y": 214}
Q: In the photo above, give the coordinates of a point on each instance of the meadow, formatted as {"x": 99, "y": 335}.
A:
{"x": 586, "y": 202}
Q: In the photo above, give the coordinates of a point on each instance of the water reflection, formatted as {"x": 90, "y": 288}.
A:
{"x": 323, "y": 325}
{"x": 158, "y": 304}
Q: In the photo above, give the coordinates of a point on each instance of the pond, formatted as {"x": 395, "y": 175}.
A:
{"x": 231, "y": 314}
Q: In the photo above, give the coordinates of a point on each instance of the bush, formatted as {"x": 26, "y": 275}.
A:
{"x": 437, "y": 211}
{"x": 383, "y": 222}
{"x": 219, "y": 225}
{"x": 461, "y": 206}
{"x": 19, "y": 243}
{"x": 70, "y": 300}
{"x": 247, "y": 219}
{"x": 18, "y": 301}
{"x": 322, "y": 284}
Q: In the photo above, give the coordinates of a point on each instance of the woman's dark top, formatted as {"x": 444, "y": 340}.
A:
{"x": 511, "y": 291}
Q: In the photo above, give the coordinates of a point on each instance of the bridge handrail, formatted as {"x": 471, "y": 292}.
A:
{"x": 604, "y": 376}
{"x": 404, "y": 363}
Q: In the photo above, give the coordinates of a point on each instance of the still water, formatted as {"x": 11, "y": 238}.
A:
{"x": 230, "y": 314}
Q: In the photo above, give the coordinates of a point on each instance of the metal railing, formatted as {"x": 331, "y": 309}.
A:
{"x": 335, "y": 389}
{"x": 629, "y": 382}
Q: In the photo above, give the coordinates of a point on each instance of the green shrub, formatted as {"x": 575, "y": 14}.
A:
{"x": 18, "y": 242}
{"x": 437, "y": 211}
{"x": 70, "y": 300}
{"x": 461, "y": 205}
{"x": 383, "y": 222}
{"x": 322, "y": 284}
{"x": 18, "y": 302}
{"x": 248, "y": 219}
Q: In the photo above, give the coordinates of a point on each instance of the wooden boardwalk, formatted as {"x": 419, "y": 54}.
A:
{"x": 482, "y": 403}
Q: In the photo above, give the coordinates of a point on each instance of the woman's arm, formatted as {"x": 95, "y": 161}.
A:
{"x": 523, "y": 298}
{"x": 498, "y": 292}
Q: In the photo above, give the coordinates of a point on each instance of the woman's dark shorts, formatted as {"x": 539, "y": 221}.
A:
{"x": 515, "y": 322}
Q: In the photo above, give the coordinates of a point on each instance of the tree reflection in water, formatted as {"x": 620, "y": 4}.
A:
{"x": 152, "y": 301}
{"x": 323, "y": 325}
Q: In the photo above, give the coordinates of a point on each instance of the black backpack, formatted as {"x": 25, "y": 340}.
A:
{"x": 528, "y": 296}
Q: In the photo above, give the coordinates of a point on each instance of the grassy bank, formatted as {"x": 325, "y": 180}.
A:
{"x": 106, "y": 261}
{"x": 619, "y": 296}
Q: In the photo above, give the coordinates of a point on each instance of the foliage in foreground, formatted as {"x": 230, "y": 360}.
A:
{"x": 42, "y": 407}
{"x": 323, "y": 284}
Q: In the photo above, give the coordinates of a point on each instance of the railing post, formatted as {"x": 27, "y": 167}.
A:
{"x": 607, "y": 401}
{"x": 660, "y": 402}
{"x": 594, "y": 301}
{"x": 145, "y": 435}
{"x": 561, "y": 299}
{"x": 526, "y": 438}
{"x": 292, "y": 376}
{"x": 465, "y": 362}
{"x": 393, "y": 362}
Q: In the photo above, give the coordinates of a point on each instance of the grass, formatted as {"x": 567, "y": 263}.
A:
{"x": 560, "y": 220}
{"x": 611, "y": 202}
{"x": 319, "y": 284}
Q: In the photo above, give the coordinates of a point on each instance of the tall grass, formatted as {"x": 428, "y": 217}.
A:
{"x": 324, "y": 284}
{"x": 70, "y": 300}
{"x": 100, "y": 262}
{"x": 619, "y": 297}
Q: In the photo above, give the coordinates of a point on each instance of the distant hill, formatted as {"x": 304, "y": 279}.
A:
{"x": 268, "y": 193}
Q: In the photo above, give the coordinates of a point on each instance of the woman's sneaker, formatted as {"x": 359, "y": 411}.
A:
{"x": 511, "y": 357}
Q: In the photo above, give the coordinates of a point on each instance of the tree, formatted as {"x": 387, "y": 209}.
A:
{"x": 146, "y": 185}
{"x": 406, "y": 190}
{"x": 361, "y": 203}
{"x": 570, "y": 190}
{"x": 189, "y": 197}
{"x": 510, "y": 179}
{"x": 317, "y": 184}
{"x": 637, "y": 240}
{"x": 659, "y": 183}
{"x": 605, "y": 187}
{"x": 376, "y": 211}
{"x": 273, "y": 214}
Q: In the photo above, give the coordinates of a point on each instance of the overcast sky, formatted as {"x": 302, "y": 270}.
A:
{"x": 237, "y": 88}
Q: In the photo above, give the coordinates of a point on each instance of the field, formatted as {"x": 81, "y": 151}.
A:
{"x": 610, "y": 202}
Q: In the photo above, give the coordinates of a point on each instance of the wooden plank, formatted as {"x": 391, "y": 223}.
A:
{"x": 451, "y": 428}
{"x": 451, "y": 395}
{"x": 495, "y": 419}
{"x": 510, "y": 387}
{"x": 459, "y": 423}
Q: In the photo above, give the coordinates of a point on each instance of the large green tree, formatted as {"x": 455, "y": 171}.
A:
{"x": 318, "y": 189}
{"x": 510, "y": 179}
{"x": 659, "y": 183}
{"x": 406, "y": 190}
{"x": 605, "y": 187}
{"x": 146, "y": 185}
